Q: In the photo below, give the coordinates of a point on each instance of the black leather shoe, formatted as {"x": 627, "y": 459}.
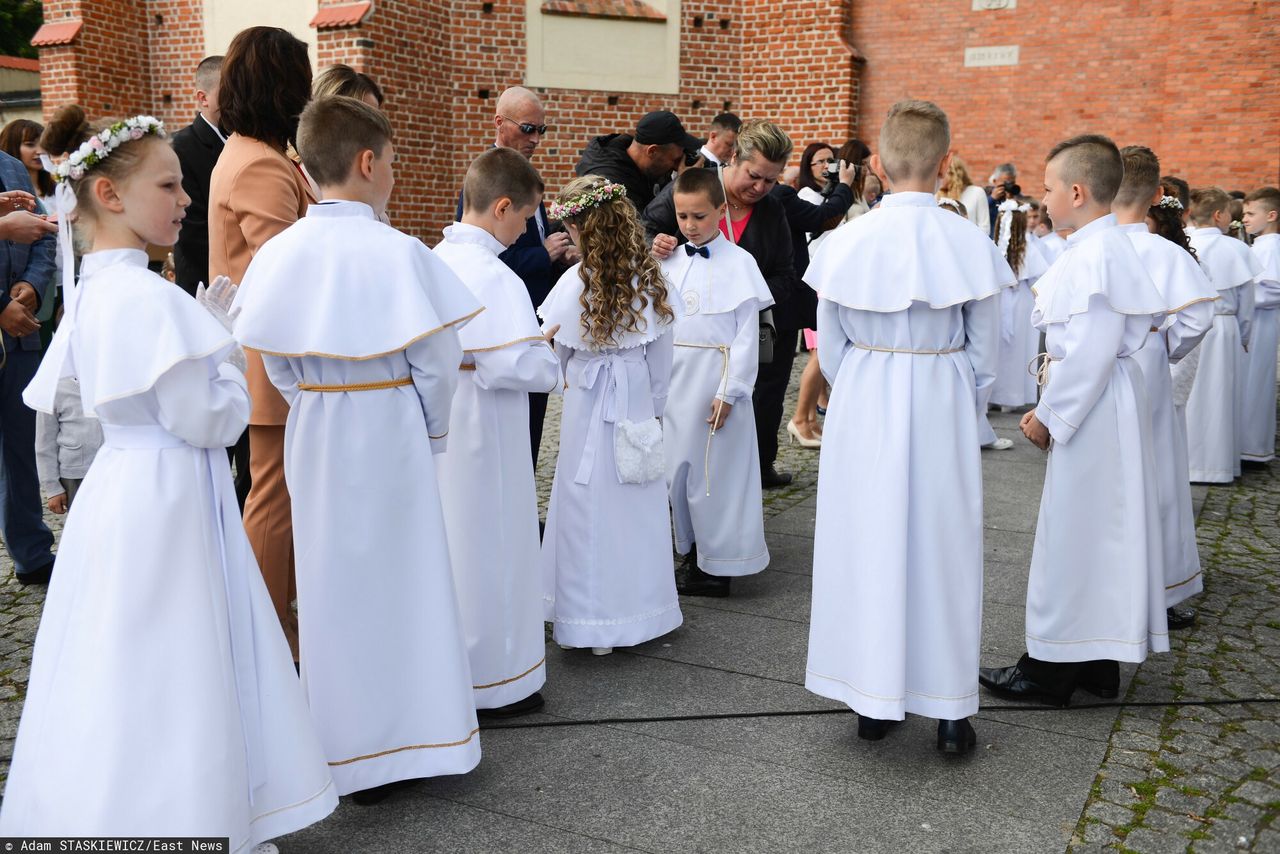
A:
{"x": 1180, "y": 618}
{"x": 956, "y": 737}
{"x": 35, "y": 576}
{"x": 873, "y": 729}
{"x": 378, "y": 794}
{"x": 1106, "y": 692}
{"x": 771, "y": 478}
{"x": 691, "y": 581}
{"x": 527, "y": 706}
{"x": 1011, "y": 683}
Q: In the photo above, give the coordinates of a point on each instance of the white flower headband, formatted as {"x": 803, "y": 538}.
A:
{"x": 947, "y": 201}
{"x": 99, "y": 147}
{"x": 592, "y": 198}
{"x": 1170, "y": 202}
{"x": 1008, "y": 206}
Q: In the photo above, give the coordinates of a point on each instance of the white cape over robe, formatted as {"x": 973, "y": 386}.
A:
{"x": 717, "y": 301}
{"x": 1214, "y": 409}
{"x": 608, "y": 575}
{"x": 908, "y": 329}
{"x": 1188, "y": 296}
{"x": 1258, "y": 419}
{"x": 1096, "y": 587}
{"x": 384, "y": 664}
{"x": 1015, "y": 383}
{"x": 486, "y": 476}
{"x": 162, "y": 699}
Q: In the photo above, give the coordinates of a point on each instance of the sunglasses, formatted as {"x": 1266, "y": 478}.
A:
{"x": 526, "y": 128}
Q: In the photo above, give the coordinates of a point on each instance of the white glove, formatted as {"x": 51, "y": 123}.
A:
{"x": 217, "y": 300}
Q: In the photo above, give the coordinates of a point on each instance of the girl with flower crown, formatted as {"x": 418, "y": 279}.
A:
{"x": 1015, "y": 385}
{"x": 161, "y": 701}
{"x": 606, "y": 554}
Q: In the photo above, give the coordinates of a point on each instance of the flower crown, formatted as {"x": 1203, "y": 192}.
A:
{"x": 592, "y": 198}
{"x": 98, "y": 147}
{"x": 1009, "y": 205}
{"x": 1170, "y": 202}
{"x": 947, "y": 201}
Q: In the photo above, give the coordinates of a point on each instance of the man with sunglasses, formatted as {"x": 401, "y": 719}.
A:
{"x": 540, "y": 255}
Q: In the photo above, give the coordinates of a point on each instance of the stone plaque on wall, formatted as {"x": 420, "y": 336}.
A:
{"x": 986, "y": 57}
{"x": 993, "y": 5}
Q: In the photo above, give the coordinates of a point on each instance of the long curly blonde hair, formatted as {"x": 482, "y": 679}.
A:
{"x": 619, "y": 275}
{"x": 956, "y": 182}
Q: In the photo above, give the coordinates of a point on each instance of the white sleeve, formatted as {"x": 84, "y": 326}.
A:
{"x": 527, "y": 366}
{"x": 744, "y": 354}
{"x": 208, "y": 411}
{"x": 47, "y": 453}
{"x": 1244, "y": 312}
{"x": 1078, "y": 380}
{"x": 433, "y": 364}
{"x": 833, "y": 343}
{"x": 1188, "y": 329}
{"x": 982, "y": 346}
{"x": 280, "y": 370}
{"x": 658, "y": 356}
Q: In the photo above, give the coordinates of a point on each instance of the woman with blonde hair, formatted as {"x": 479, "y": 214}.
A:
{"x": 960, "y": 187}
{"x": 609, "y": 577}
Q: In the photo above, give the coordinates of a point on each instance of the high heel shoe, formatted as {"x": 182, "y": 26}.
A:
{"x": 795, "y": 436}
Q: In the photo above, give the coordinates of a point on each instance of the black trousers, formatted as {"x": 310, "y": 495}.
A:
{"x": 769, "y": 398}
{"x": 21, "y": 509}
{"x": 238, "y": 454}
{"x": 1061, "y": 678}
{"x": 537, "y": 414}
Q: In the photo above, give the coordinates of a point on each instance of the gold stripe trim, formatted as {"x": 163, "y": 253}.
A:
{"x": 403, "y": 749}
{"x": 1187, "y": 581}
{"x": 374, "y": 386}
{"x": 528, "y": 340}
{"x": 908, "y": 352}
{"x": 467, "y": 366}
{"x": 1193, "y": 302}
{"x": 399, "y": 349}
{"x": 513, "y": 678}
{"x": 441, "y": 436}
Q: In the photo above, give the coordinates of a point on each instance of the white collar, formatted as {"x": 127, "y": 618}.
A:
{"x": 1206, "y": 229}
{"x": 220, "y": 134}
{"x": 340, "y": 208}
{"x": 461, "y": 232}
{"x": 922, "y": 200}
{"x": 710, "y": 158}
{"x": 1134, "y": 227}
{"x": 1102, "y": 223}
{"x": 95, "y": 261}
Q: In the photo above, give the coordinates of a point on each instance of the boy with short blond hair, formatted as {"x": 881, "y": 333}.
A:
{"x": 1258, "y": 420}
{"x": 486, "y": 476}
{"x": 908, "y": 331}
{"x": 368, "y": 360}
{"x": 1095, "y": 595}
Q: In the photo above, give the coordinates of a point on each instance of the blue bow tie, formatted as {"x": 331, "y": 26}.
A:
{"x": 692, "y": 250}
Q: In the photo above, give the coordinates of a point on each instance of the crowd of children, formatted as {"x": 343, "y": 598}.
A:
{"x": 422, "y": 585}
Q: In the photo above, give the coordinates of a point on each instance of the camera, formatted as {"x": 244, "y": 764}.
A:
{"x": 691, "y": 158}
{"x": 1011, "y": 189}
{"x": 832, "y": 175}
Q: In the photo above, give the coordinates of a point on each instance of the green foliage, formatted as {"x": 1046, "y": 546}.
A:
{"x": 19, "y": 20}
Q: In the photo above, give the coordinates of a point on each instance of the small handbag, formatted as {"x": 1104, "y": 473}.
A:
{"x": 768, "y": 336}
{"x": 637, "y": 451}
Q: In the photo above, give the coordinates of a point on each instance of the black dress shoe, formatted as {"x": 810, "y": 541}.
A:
{"x": 35, "y": 576}
{"x": 1097, "y": 689}
{"x": 378, "y": 794}
{"x": 527, "y": 706}
{"x": 956, "y": 737}
{"x": 1011, "y": 683}
{"x": 771, "y": 478}
{"x": 1180, "y": 618}
{"x": 691, "y": 581}
{"x": 873, "y": 729}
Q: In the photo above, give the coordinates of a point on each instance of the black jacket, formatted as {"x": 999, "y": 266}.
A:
{"x": 607, "y": 156}
{"x": 768, "y": 239}
{"x": 803, "y": 218}
{"x": 198, "y": 147}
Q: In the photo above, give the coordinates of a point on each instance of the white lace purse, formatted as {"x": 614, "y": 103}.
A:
{"x": 637, "y": 451}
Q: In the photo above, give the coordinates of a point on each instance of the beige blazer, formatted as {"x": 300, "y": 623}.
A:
{"x": 255, "y": 193}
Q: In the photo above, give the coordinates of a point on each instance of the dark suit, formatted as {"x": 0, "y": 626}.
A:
{"x": 197, "y": 146}
{"x": 768, "y": 238}
{"x": 529, "y": 260}
{"x": 21, "y": 510}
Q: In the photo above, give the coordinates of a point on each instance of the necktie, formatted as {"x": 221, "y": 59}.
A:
{"x": 692, "y": 250}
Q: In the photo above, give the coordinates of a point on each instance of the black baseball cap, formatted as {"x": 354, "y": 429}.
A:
{"x": 663, "y": 128}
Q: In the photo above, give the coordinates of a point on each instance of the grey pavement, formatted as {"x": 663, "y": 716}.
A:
{"x": 705, "y": 739}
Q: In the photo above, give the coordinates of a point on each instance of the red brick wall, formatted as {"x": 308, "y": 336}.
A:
{"x": 105, "y": 70}
{"x": 175, "y": 32}
{"x": 1193, "y": 79}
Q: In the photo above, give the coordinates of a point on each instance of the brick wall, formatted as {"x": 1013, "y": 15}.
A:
{"x": 1193, "y": 79}
{"x": 175, "y": 34}
{"x": 106, "y": 68}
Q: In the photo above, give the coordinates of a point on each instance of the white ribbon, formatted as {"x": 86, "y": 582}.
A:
{"x": 1005, "y": 211}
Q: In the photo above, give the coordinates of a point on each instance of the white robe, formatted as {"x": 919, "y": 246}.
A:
{"x": 1052, "y": 245}
{"x": 486, "y": 475}
{"x": 608, "y": 574}
{"x": 1096, "y": 587}
{"x": 384, "y": 664}
{"x": 1015, "y": 383}
{"x": 718, "y": 301}
{"x": 1189, "y": 297}
{"x": 1216, "y": 402}
{"x": 908, "y": 330}
{"x": 1258, "y": 420}
{"x": 162, "y": 699}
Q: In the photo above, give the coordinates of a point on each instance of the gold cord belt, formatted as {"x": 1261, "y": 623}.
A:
{"x": 1224, "y": 314}
{"x": 467, "y": 366}
{"x": 358, "y": 386}
{"x": 724, "y": 386}
{"x": 908, "y": 352}
{"x": 1039, "y": 367}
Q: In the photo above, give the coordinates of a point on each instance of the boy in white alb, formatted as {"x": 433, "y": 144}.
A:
{"x": 1188, "y": 299}
{"x": 908, "y": 330}
{"x": 1095, "y": 595}
{"x": 1215, "y": 407}
{"x": 368, "y": 362}
{"x": 486, "y": 476}
{"x": 717, "y": 293}
{"x": 1258, "y": 420}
